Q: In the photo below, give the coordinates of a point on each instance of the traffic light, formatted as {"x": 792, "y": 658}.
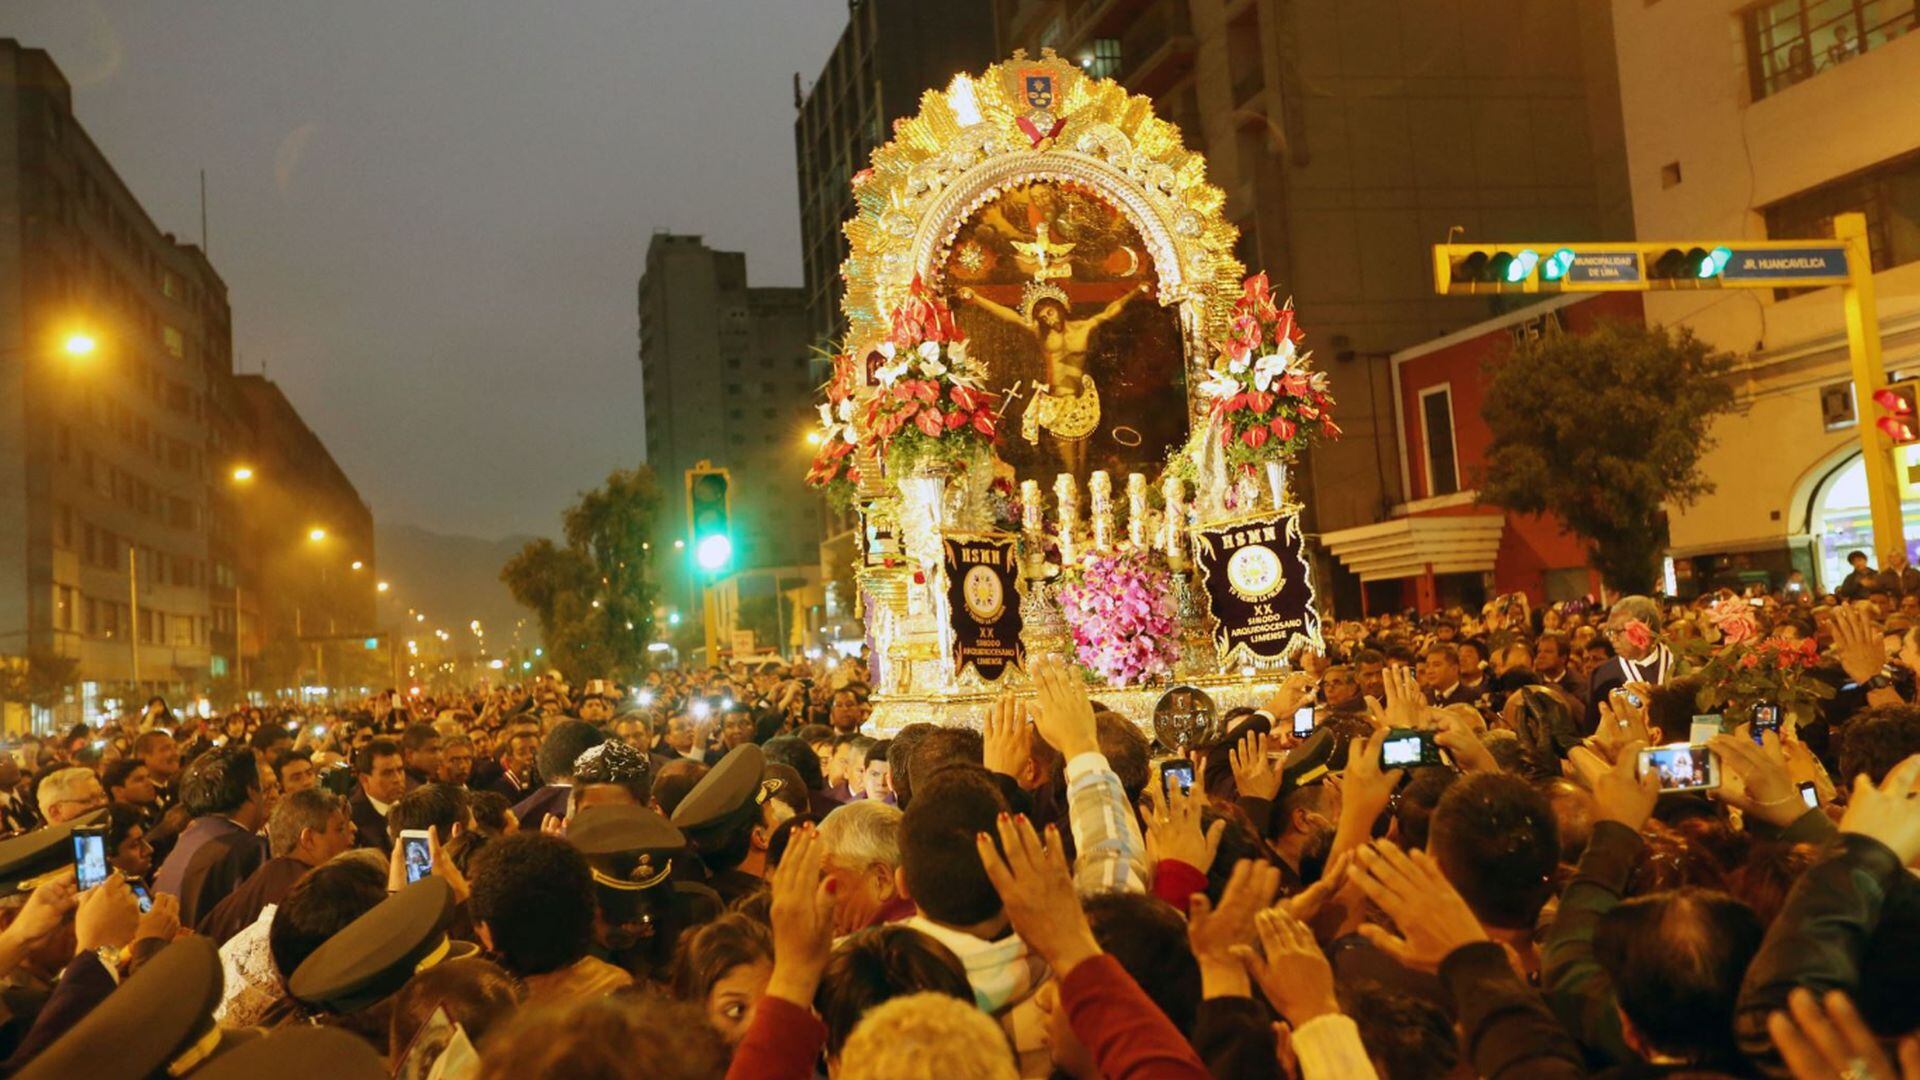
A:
{"x": 710, "y": 519}
{"x": 1694, "y": 264}
{"x": 1505, "y": 269}
{"x": 1899, "y": 406}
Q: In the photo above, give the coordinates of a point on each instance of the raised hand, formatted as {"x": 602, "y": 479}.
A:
{"x": 1255, "y": 774}
{"x": 1469, "y": 752}
{"x": 1292, "y": 971}
{"x": 1036, "y": 888}
{"x": 1858, "y": 644}
{"x": 1213, "y": 932}
{"x": 1406, "y": 705}
{"x": 46, "y": 910}
{"x": 1888, "y": 813}
{"x": 1294, "y": 691}
{"x": 1308, "y": 902}
{"x": 1755, "y": 778}
{"x": 1008, "y": 738}
{"x": 1620, "y": 793}
{"x": 1175, "y": 827}
{"x": 1063, "y": 713}
{"x": 802, "y": 915}
{"x": 107, "y": 917}
{"x": 161, "y": 921}
{"x": 1432, "y": 918}
{"x": 1827, "y": 1040}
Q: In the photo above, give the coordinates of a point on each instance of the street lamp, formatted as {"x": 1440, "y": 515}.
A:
{"x": 242, "y": 473}
{"x": 358, "y": 565}
{"x": 80, "y": 344}
{"x": 316, "y": 534}
{"x": 383, "y": 587}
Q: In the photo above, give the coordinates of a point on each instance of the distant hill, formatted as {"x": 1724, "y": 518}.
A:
{"x": 453, "y": 579}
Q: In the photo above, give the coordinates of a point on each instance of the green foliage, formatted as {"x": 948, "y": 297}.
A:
{"x": 601, "y": 562}
{"x": 42, "y": 677}
{"x": 1603, "y": 430}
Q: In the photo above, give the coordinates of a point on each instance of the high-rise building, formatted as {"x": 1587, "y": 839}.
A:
{"x": 891, "y": 52}
{"x": 309, "y": 575}
{"x": 726, "y": 380}
{"x": 1762, "y": 121}
{"x": 1348, "y": 137}
{"x": 113, "y": 337}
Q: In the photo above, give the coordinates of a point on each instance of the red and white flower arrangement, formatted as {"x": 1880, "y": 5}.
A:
{"x": 1120, "y": 605}
{"x": 928, "y": 404}
{"x": 1267, "y": 403}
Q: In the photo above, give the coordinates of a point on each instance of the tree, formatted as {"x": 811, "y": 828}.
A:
{"x": 594, "y": 594}
{"x": 1604, "y": 430}
{"x": 41, "y": 677}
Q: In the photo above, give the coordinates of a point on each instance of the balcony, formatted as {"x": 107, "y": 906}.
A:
{"x": 1157, "y": 50}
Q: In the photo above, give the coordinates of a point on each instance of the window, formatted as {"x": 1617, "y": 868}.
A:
{"x": 1888, "y": 194}
{"x": 1105, "y": 61}
{"x": 62, "y": 607}
{"x": 1790, "y": 41}
{"x": 1436, "y": 431}
{"x": 175, "y": 343}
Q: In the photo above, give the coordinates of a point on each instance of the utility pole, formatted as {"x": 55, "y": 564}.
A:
{"x": 1869, "y": 375}
{"x": 133, "y": 606}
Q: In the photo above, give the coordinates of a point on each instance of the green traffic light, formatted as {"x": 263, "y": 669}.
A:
{"x": 1522, "y": 265}
{"x": 1715, "y": 262}
{"x": 1557, "y": 265}
{"x": 713, "y": 552}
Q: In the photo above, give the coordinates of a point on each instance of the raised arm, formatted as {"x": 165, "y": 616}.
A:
{"x": 998, "y": 311}
{"x": 1118, "y": 305}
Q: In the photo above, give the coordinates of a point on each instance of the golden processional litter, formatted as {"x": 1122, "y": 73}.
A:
{"x": 1063, "y": 418}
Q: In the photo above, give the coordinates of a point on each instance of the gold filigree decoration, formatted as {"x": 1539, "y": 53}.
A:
{"x": 967, "y": 145}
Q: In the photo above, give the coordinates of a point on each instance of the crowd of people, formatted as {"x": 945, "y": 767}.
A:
{"x": 728, "y": 873}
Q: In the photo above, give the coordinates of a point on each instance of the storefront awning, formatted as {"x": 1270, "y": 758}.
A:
{"x": 1411, "y": 546}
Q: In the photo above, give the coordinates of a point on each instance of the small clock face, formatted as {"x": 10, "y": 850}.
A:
{"x": 985, "y": 596}
{"x": 1254, "y": 572}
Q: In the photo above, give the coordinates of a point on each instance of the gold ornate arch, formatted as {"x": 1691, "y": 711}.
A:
{"x": 982, "y": 135}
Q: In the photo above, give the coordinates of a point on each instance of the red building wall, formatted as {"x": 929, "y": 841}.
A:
{"x": 1531, "y": 544}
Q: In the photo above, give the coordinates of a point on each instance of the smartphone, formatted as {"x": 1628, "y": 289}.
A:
{"x": 416, "y": 854}
{"x": 1757, "y": 602}
{"x": 142, "y": 896}
{"x": 1809, "y": 794}
{"x": 1177, "y": 771}
{"x": 1407, "y": 749}
{"x": 319, "y": 729}
{"x": 1706, "y": 727}
{"x": 1303, "y": 721}
{"x": 1764, "y": 717}
{"x": 1682, "y": 766}
{"x": 90, "y": 856}
{"x": 1632, "y": 698}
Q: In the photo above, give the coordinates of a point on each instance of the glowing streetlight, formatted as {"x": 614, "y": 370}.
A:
{"x": 679, "y": 545}
{"x": 242, "y": 473}
{"x": 79, "y": 344}
{"x": 383, "y": 586}
{"x": 316, "y": 534}
{"x": 813, "y": 438}
{"x": 358, "y": 565}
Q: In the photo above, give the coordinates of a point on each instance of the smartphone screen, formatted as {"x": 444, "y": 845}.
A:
{"x": 1809, "y": 794}
{"x": 1177, "y": 772}
{"x": 1765, "y": 718}
{"x": 1682, "y": 768}
{"x": 416, "y": 854}
{"x": 89, "y": 857}
{"x": 143, "y": 897}
{"x": 1303, "y": 721}
{"x": 1402, "y": 751}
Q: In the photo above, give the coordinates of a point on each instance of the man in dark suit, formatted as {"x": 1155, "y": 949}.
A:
{"x": 516, "y": 754}
{"x": 1441, "y": 674}
{"x": 220, "y": 847}
{"x": 1551, "y": 656}
{"x": 1640, "y": 656}
{"x": 383, "y": 779}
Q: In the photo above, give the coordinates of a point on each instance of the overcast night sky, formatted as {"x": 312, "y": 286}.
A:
{"x": 431, "y": 217}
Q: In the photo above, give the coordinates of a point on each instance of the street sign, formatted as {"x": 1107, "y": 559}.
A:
{"x": 1824, "y": 264}
{"x": 1601, "y": 267}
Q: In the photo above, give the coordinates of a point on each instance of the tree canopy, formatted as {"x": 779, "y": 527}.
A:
{"x": 1603, "y": 430}
{"x": 594, "y": 592}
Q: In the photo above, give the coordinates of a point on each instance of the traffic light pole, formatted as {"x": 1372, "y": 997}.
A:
{"x": 1863, "y": 352}
{"x": 711, "y": 617}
